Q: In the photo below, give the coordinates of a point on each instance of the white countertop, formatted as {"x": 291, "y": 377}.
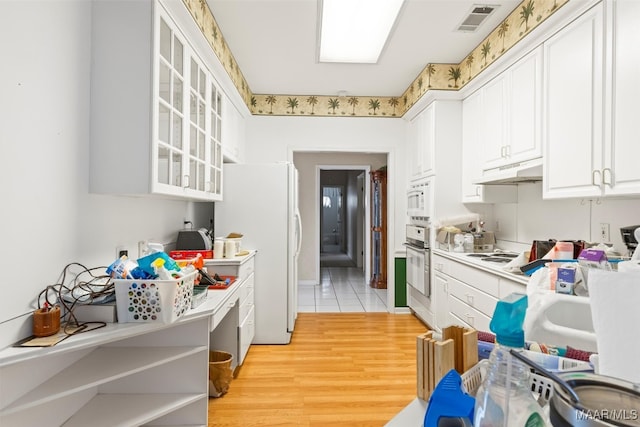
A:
{"x": 494, "y": 268}
{"x": 236, "y": 260}
{"x": 216, "y": 298}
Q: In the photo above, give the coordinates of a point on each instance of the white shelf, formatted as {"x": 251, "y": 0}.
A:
{"x": 126, "y": 374}
{"x": 101, "y": 366}
{"x": 132, "y": 409}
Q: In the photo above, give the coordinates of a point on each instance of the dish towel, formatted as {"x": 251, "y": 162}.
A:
{"x": 614, "y": 300}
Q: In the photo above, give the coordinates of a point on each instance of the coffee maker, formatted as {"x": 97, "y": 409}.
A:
{"x": 630, "y": 238}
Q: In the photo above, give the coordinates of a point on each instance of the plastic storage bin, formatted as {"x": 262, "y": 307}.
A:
{"x": 153, "y": 300}
{"x": 541, "y": 386}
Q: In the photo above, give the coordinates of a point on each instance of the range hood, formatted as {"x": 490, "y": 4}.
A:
{"x": 530, "y": 171}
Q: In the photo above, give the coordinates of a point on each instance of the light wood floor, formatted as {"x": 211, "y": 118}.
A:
{"x": 341, "y": 369}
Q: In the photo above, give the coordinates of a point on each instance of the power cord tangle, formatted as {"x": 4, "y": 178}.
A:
{"x": 73, "y": 288}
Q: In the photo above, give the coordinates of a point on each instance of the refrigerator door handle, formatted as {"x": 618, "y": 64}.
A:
{"x": 299, "y": 233}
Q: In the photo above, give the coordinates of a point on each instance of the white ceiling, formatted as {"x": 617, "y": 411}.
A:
{"x": 274, "y": 43}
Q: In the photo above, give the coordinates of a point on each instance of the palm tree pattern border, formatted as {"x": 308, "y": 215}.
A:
{"x": 524, "y": 18}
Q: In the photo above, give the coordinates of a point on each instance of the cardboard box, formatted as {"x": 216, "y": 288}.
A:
{"x": 445, "y": 239}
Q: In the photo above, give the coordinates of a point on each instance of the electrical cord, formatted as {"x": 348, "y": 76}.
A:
{"x": 80, "y": 290}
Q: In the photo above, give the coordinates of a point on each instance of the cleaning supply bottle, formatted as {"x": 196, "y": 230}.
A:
{"x": 504, "y": 397}
{"x": 160, "y": 270}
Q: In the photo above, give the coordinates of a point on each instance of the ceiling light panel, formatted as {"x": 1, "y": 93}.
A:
{"x": 355, "y": 31}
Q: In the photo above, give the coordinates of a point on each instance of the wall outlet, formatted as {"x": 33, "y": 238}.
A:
{"x": 121, "y": 251}
{"x": 142, "y": 248}
{"x": 604, "y": 233}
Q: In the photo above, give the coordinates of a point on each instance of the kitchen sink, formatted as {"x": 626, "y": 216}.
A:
{"x": 497, "y": 257}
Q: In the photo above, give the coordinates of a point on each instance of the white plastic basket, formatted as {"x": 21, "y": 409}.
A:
{"x": 541, "y": 386}
{"x": 153, "y": 300}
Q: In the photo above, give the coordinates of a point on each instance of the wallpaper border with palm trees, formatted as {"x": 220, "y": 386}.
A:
{"x": 525, "y": 17}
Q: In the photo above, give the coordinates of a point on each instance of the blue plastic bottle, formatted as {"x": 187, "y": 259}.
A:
{"x": 504, "y": 397}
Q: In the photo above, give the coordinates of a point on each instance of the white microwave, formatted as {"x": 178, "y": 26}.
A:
{"x": 419, "y": 198}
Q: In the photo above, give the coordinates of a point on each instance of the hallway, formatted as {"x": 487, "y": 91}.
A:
{"x": 341, "y": 289}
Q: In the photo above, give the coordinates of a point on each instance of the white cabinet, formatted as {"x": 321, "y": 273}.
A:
{"x": 233, "y": 133}
{"x": 421, "y": 144}
{"x": 155, "y": 106}
{"x": 247, "y": 328}
{"x": 573, "y": 109}
{"x": 441, "y": 295}
{"x": 620, "y": 173}
{"x": 122, "y": 374}
{"x": 510, "y": 128}
{"x": 437, "y": 133}
{"x": 237, "y": 335}
{"x": 493, "y": 138}
{"x": 471, "y": 293}
{"x": 472, "y": 166}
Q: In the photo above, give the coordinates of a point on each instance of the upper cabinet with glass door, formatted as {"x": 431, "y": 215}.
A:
{"x": 155, "y": 110}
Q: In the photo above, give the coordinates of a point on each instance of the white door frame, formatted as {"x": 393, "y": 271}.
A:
{"x": 367, "y": 219}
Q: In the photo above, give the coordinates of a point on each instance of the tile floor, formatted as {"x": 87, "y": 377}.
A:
{"x": 341, "y": 289}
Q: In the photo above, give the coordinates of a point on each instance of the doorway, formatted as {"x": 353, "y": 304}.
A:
{"x": 343, "y": 217}
{"x": 331, "y": 221}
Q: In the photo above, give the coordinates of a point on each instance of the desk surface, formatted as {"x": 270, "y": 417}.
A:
{"x": 117, "y": 331}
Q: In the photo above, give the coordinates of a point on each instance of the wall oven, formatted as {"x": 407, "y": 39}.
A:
{"x": 418, "y": 258}
{"x": 419, "y": 200}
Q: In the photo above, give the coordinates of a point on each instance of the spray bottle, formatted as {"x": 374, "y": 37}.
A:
{"x": 504, "y": 397}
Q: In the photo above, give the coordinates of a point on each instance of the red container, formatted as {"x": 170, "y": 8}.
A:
{"x": 206, "y": 254}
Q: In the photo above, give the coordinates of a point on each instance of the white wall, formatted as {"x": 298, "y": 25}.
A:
{"x": 49, "y": 218}
{"x": 533, "y": 218}
{"x": 271, "y": 139}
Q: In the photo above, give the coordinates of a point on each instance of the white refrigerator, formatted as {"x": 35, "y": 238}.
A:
{"x": 260, "y": 201}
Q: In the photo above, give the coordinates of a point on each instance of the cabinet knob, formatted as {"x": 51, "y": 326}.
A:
{"x": 469, "y": 298}
{"x": 469, "y": 319}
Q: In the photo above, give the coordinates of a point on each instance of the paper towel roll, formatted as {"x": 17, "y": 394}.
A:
{"x": 614, "y": 300}
{"x": 229, "y": 248}
{"x": 218, "y": 248}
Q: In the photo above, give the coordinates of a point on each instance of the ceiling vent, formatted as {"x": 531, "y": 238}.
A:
{"x": 477, "y": 15}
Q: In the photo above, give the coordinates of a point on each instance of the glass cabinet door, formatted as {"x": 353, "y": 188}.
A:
{"x": 189, "y": 119}
{"x": 171, "y": 107}
{"x": 197, "y": 126}
{"x": 215, "y": 143}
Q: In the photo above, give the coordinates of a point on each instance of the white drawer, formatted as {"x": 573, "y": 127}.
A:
{"x": 223, "y": 310}
{"x": 508, "y": 287}
{"x": 473, "y": 297}
{"x": 246, "y": 306}
{"x": 246, "y": 332}
{"x": 246, "y": 287}
{"x": 475, "y": 277}
{"x": 241, "y": 271}
{"x": 246, "y": 268}
{"x": 469, "y": 315}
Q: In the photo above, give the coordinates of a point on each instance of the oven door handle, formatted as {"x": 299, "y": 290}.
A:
{"x": 415, "y": 247}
